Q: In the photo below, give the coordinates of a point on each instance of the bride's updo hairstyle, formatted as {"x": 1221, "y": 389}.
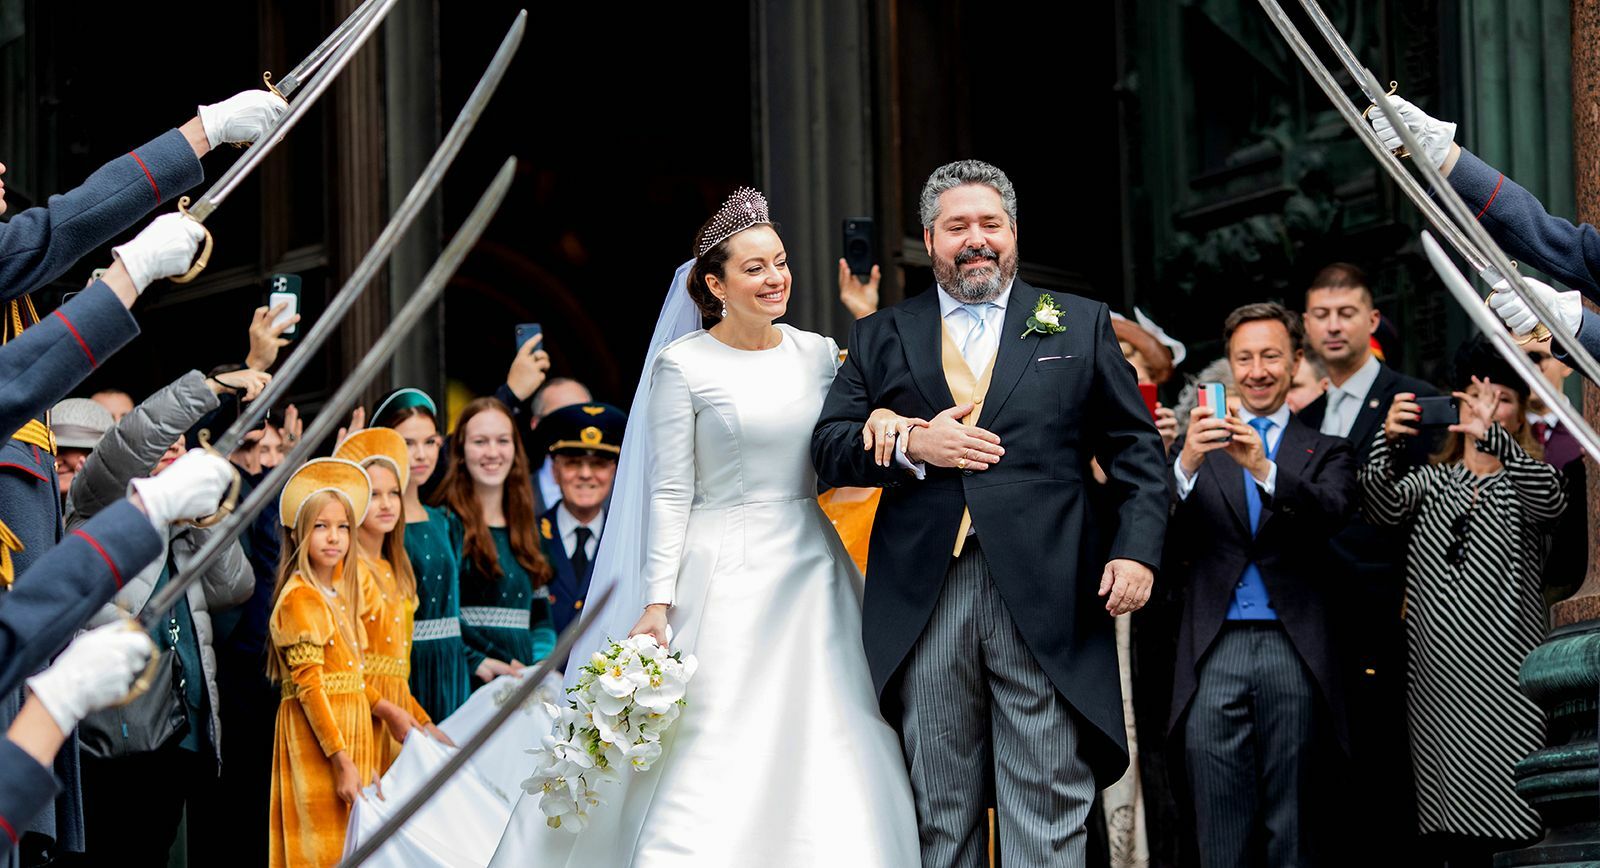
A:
{"x": 744, "y": 209}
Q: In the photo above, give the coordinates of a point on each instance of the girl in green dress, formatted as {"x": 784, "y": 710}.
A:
{"x": 433, "y": 543}
{"x": 505, "y": 611}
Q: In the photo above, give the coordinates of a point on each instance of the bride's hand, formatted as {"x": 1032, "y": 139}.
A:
{"x": 654, "y": 622}
{"x": 881, "y": 431}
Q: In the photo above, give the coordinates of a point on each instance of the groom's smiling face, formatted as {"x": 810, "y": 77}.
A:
{"x": 973, "y": 243}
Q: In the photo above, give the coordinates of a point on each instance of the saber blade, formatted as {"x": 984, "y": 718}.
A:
{"x": 319, "y": 55}
{"x": 371, "y": 365}
{"x": 372, "y": 263}
{"x": 511, "y": 706}
{"x": 1490, "y": 325}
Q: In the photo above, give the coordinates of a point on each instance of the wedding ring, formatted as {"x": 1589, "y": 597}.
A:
{"x": 961, "y": 463}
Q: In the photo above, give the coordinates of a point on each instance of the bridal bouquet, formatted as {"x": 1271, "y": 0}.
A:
{"x": 627, "y": 696}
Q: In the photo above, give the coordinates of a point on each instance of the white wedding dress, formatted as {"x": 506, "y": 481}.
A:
{"x": 780, "y": 757}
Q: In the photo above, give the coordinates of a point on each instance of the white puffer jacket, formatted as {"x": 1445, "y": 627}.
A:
{"x": 131, "y": 450}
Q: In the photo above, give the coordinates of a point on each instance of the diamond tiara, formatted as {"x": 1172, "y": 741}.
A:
{"x": 745, "y": 208}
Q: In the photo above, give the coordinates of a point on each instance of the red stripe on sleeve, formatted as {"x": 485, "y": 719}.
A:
{"x": 81, "y": 343}
{"x": 147, "y": 176}
{"x": 10, "y": 832}
{"x": 116, "y": 574}
{"x": 1496, "y": 192}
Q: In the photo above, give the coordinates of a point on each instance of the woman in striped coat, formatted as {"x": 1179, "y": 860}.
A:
{"x": 1478, "y": 515}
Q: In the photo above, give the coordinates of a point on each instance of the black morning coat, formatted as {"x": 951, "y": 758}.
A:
{"x": 1056, "y": 401}
{"x": 1315, "y": 491}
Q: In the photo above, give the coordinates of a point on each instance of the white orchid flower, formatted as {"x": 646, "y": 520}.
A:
{"x": 642, "y": 754}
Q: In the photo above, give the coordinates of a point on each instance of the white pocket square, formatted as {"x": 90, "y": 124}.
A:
{"x": 1051, "y": 358}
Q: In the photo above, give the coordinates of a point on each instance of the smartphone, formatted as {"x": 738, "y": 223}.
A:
{"x": 285, "y": 290}
{"x": 860, "y": 244}
{"x": 1215, "y": 396}
{"x": 1147, "y": 391}
{"x": 1440, "y": 412}
{"x": 526, "y": 332}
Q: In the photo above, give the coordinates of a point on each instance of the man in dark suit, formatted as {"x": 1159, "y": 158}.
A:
{"x": 584, "y": 442}
{"x": 1000, "y": 648}
{"x": 1256, "y": 681}
{"x": 1340, "y": 319}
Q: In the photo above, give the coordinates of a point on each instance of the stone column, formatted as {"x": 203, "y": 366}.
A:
{"x": 359, "y": 209}
{"x": 1563, "y": 674}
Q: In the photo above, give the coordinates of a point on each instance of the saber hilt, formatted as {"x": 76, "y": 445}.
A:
{"x": 204, "y": 258}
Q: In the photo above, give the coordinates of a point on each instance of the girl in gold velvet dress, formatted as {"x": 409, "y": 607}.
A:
{"x": 388, "y": 584}
{"x": 323, "y": 752}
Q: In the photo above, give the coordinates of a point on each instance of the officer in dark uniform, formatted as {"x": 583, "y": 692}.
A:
{"x": 584, "y": 441}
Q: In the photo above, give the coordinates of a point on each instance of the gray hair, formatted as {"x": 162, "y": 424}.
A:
{"x": 959, "y": 174}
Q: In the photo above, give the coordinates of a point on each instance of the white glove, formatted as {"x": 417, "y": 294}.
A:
{"x": 165, "y": 248}
{"x": 96, "y": 671}
{"x": 1434, "y": 135}
{"x": 1567, "y": 306}
{"x": 243, "y": 117}
{"x": 190, "y": 487}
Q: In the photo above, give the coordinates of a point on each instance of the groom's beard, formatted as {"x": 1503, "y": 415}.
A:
{"x": 971, "y": 286}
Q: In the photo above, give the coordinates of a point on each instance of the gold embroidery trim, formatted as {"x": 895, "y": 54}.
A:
{"x": 333, "y": 684}
{"x": 393, "y": 667}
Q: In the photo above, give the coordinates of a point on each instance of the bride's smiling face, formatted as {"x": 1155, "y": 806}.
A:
{"x": 755, "y": 282}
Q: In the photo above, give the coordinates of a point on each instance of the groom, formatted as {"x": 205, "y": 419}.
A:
{"x": 988, "y": 614}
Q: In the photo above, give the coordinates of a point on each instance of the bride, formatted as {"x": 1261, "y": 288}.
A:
{"x": 780, "y": 757}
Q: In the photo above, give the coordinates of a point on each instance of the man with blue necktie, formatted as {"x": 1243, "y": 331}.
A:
{"x": 1256, "y": 686}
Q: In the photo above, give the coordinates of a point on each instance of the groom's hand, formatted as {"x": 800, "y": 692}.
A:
{"x": 1128, "y": 583}
{"x": 948, "y": 443}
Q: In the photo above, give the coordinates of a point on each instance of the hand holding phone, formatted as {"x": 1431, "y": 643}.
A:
{"x": 1208, "y": 431}
{"x": 530, "y": 363}
{"x": 285, "y": 291}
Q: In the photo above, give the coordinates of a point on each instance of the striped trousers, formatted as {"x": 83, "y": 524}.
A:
{"x": 1249, "y": 740}
{"x": 983, "y": 721}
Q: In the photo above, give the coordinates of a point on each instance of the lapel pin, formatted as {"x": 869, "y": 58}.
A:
{"x": 1373, "y": 404}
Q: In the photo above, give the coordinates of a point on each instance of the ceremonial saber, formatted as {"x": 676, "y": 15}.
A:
{"x": 1386, "y": 158}
{"x": 329, "y": 69}
{"x": 1364, "y": 79}
{"x": 343, "y": 399}
{"x": 319, "y": 55}
{"x": 1474, "y": 245}
{"x": 1490, "y": 325}
{"x": 530, "y": 683}
{"x": 1577, "y": 356}
{"x": 404, "y": 215}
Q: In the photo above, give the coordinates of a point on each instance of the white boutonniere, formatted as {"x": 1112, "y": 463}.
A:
{"x": 1046, "y": 318}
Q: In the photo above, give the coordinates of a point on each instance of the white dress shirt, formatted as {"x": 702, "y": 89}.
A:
{"x": 1279, "y": 418}
{"x": 549, "y": 490}
{"x": 567, "y": 525}
{"x": 976, "y": 352}
{"x": 1344, "y": 402}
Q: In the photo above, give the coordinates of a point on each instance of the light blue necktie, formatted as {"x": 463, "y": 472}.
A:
{"x": 1250, "y": 599}
{"x": 1252, "y": 491}
{"x": 979, "y": 313}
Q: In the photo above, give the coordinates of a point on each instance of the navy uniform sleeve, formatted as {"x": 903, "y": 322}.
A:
{"x": 1519, "y": 223}
{"x": 49, "y": 359}
{"x": 27, "y": 787}
{"x": 68, "y": 584}
{"x": 38, "y": 245}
